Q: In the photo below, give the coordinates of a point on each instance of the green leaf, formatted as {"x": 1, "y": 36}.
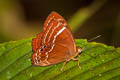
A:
{"x": 97, "y": 61}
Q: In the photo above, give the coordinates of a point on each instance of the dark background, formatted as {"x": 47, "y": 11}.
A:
{"x": 20, "y": 19}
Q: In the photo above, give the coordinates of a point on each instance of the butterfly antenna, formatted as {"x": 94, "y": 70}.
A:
{"x": 95, "y": 38}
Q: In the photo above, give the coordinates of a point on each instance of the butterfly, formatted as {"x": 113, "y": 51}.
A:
{"x": 55, "y": 44}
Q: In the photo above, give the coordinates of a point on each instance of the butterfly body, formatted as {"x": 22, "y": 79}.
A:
{"x": 55, "y": 44}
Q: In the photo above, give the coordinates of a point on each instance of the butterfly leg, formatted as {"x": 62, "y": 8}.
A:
{"x": 63, "y": 65}
{"x": 78, "y": 59}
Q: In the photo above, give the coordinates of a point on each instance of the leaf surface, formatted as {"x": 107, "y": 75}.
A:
{"x": 97, "y": 61}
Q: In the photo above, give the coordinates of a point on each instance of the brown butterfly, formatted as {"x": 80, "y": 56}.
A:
{"x": 55, "y": 44}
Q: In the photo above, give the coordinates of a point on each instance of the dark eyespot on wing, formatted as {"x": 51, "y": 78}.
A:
{"x": 41, "y": 49}
{"x": 38, "y": 60}
{"x": 44, "y": 46}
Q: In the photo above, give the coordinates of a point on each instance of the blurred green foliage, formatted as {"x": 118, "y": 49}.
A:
{"x": 87, "y": 18}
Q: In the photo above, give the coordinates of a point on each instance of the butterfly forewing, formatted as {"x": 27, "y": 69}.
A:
{"x": 56, "y": 44}
{"x": 64, "y": 47}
